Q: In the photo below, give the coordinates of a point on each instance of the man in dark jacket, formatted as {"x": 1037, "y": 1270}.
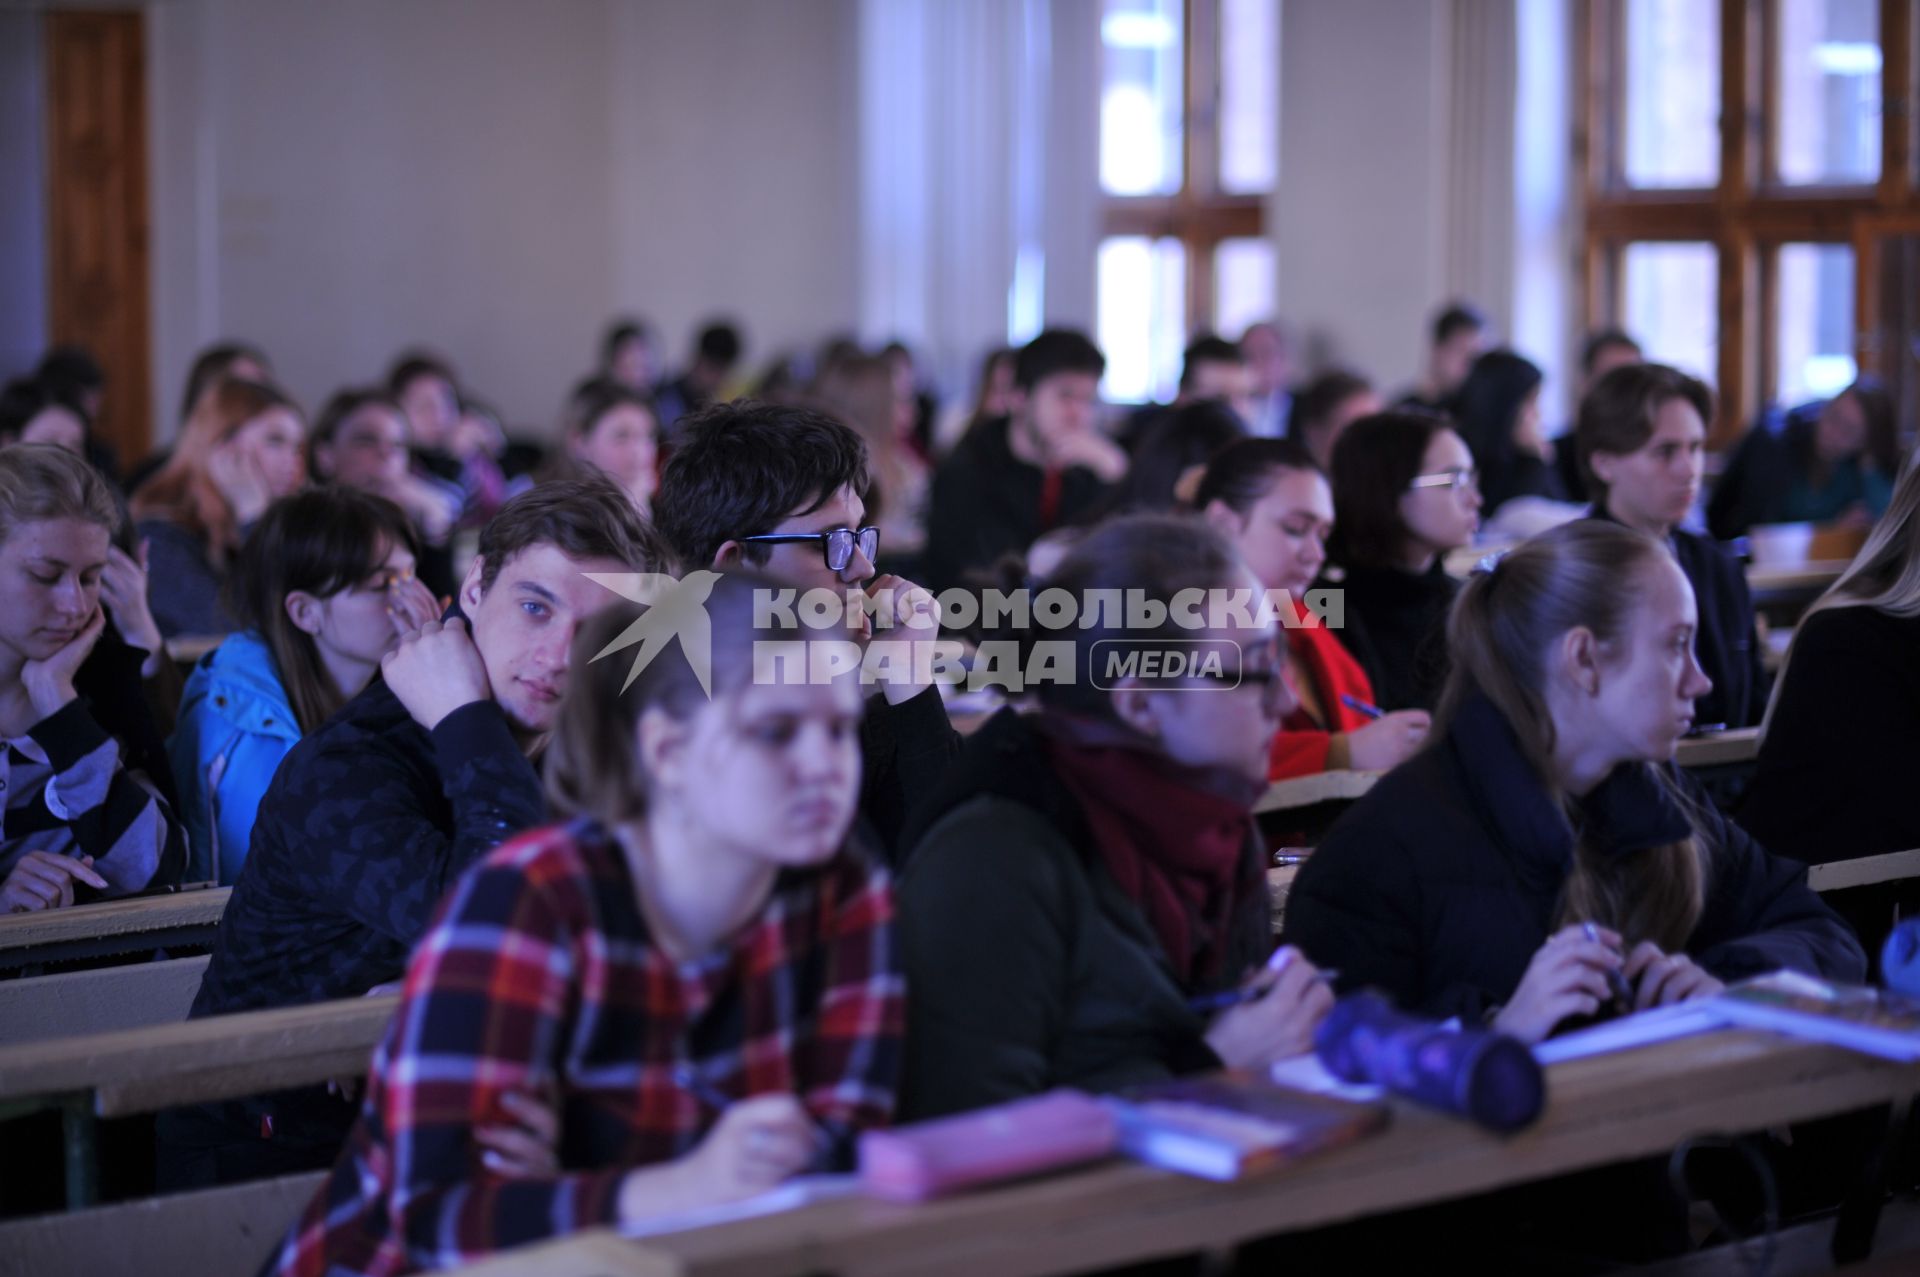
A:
{"x": 779, "y": 490}
{"x": 1011, "y": 480}
{"x": 375, "y": 814}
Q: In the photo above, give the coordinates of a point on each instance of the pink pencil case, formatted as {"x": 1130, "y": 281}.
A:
{"x": 1008, "y": 1141}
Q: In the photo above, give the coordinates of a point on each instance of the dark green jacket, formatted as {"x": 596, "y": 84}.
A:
{"x": 1027, "y": 967}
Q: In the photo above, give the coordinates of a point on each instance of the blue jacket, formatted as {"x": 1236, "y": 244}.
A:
{"x": 235, "y": 726}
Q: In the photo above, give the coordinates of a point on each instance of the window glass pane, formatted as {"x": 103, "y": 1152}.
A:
{"x": 1141, "y": 114}
{"x": 1142, "y": 296}
{"x": 1249, "y": 95}
{"x": 1672, "y": 93}
{"x": 1829, "y": 126}
{"x": 1670, "y": 305}
{"x": 1243, "y": 272}
{"x": 1816, "y": 321}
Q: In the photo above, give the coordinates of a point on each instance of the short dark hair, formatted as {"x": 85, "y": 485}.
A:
{"x": 69, "y": 374}
{"x": 211, "y": 364}
{"x": 1243, "y": 471}
{"x": 595, "y": 397}
{"x": 23, "y": 399}
{"x": 1616, "y": 416}
{"x": 414, "y": 365}
{"x": 743, "y": 467}
{"x": 719, "y": 344}
{"x": 1054, "y": 351}
{"x": 1207, "y": 349}
{"x": 346, "y": 403}
{"x": 1486, "y": 408}
{"x": 1373, "y": 462}
{"x": 1457, "y": 317}
{"x": 1600, "y": 340}
{"x": 1176, "y": 443}
{"x": 584, "y": 518}
{"x": 619, "y": 333}
{"x": 1321, "y": 396}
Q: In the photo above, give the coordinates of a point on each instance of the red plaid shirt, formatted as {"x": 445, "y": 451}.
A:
{"x": 540, "y": 974}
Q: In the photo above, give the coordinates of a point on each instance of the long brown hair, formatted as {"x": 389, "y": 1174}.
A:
{"x": 319, "y": 541}
{"x": 1504, "y": 625}
{"x": 183, "y": 490}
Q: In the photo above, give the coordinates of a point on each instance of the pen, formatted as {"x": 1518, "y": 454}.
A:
{"x": 1220, "y": 1001}
{"x": 713, "y": 1097}
{"x": 1359, "y": 706}
{"x": 1616, "y": 982}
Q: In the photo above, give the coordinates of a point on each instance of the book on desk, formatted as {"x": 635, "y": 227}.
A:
{"x": 1227, "y": 1126}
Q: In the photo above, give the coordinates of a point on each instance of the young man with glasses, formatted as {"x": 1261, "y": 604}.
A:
{"x": 779, "y": 490}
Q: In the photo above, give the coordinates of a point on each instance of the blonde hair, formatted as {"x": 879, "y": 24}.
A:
{"x": 1885, "y": 575}
{"x": 42, "y": 481}
{"x": 183, "y": 490}
{"x": 1503, "y": 627}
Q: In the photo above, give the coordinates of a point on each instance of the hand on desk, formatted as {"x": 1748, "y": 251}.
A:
{"x": 755, "y": 1145}
{"x": 1567, "y": 977}
{"x": 44, "y": 880}
{"x": 1662, "y": 979}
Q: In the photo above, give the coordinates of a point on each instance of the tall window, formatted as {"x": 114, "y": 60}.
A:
{"x": 1752, "y": 191}
{"x": 1189, "y": 149}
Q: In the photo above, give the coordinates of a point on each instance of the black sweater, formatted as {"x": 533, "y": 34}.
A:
{"x": 1396, "y": 627}
{"x": 986, "y": 504}
{"x": 1029, "y": 967}
{"x": 1843, "y": 749}
{"x": 1441, "y": 884}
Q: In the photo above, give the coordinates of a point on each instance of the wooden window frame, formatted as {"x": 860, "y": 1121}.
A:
{"x": 1747, "y": 216}
{"x": 1199, "y": 214}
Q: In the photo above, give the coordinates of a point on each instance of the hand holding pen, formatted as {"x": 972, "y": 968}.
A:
{"x": 773, "y": 1128}
{"x": 1389, "y": 740}
{"x": 1273, "y": 1015}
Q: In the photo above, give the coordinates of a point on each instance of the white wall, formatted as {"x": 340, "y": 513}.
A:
{"x": 494, "y": 178}
{"x": 1358, "y": 218}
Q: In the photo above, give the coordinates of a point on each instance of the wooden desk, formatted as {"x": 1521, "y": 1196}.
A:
{"x": 1792, "y": 588}
{"x": 1867, "y": 871}
{"x": 1601, "y": 1110}
{"x": 1297, "y": 792}
{"x": 218, "y": 1058}
{"x": 1719, "y": 749}
{"x": 75, "y": 1003}
{"x": 112, "y": 926}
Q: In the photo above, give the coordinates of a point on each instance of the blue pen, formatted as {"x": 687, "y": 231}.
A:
{"x": 1359, "y": 706}
{"x": 1207, "y": 1004}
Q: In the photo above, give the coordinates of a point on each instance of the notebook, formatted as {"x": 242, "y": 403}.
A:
{"x": 1226, "y": 1126}
{"x": 1875, "y": 1021}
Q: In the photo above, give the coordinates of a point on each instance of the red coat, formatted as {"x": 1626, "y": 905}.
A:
{"x": 1320, "y": 659}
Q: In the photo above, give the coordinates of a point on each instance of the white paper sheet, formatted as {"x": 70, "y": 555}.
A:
{"x": 1640, "y": 1029}
{"x": 800, "y": 1191}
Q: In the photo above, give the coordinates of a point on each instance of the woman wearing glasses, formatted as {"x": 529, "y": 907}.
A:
{"x": 1404, "y": 493}
{"x": 1641, "y": 438}
{"x": 1086, "y": 892}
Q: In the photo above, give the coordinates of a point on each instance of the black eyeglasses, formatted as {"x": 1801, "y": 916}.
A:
{"x": 836, "y": 544}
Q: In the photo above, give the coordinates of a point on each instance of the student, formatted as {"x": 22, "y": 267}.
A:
{"x": 862, "y": 391}
{"x": 697, "y": 970}
{"x": 1641, "y": 436}
{"x": 375, "y": 814}
{"x": 1605, "y": 350}
{"x": 1041, "y": 467}
{"x": 628, "y": 355}
{"x": 777, "y": 490}
{"x": 239, "y": 451}
{"x": 1832, "y": 462}
{"x": 1459, "y": 335}
{"x": 610, "y": 430}
{"x": 1463, "y": 883}
{"x": 1270, "y": 499}
{"x": 1497, "y": 410}
{"x": 1268, "y": 350}
{"x": 360, "y": 441}
{"x": 76, "y": 381}
{"x": 1840, "y": 746}
{"x": 1325, "y": 407}
{"x": 716, "y": 351}
{"x": 1168, "y": 462}
{"x": 325, "y": 587}
{"x": 993, "y": 398}
{"x": 1404, "y": 493}
{"x": 1086, "y": 871}
{"x": 210, "y": 367}
{"x": 31, "y": 413}
{"x": 79, "y": 821}
{"x": 1212, "y": 369}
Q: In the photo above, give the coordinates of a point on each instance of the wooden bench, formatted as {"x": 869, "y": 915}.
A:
{"x": 1719, "y": 749}
{"x": 218, "y": 1058}
{"x": 1297, "y": 792}
{"x": 112, "y": 927}
{"x": 75, "y": 1003}
{"x": 218, "y": 1232}
{"x": 1866, "y": 871}
{"x": 1601, "y": 1110}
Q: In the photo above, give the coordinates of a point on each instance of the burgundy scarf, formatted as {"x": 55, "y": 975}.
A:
{"x": 1173, "y": 837}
